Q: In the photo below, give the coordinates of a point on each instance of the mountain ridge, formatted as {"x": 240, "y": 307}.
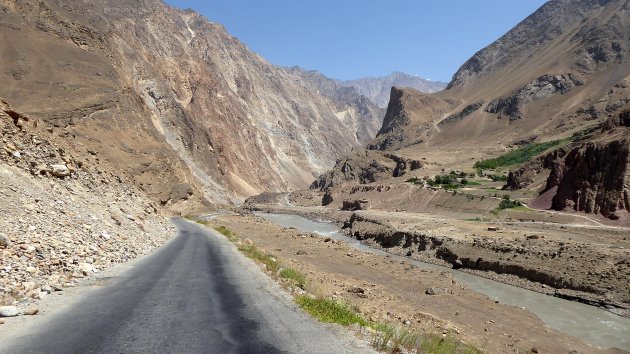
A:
{"x": 172, "y": 99}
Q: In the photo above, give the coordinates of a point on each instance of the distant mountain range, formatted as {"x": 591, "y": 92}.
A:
{"x": 378, "y": 88}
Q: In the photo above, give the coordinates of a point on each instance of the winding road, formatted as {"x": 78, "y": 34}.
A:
{"x": 196, "y": 294}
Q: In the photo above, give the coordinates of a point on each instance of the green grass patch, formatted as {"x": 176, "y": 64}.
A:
{"x": 330, "y": 311}
{"x": 227, "y": 233}
{"x": 471, "y": 183}
{"x": 254, "y": 253}
{"x": 518, "y": 156}
{"x": 404, "y": 340}
{"x": 250, "y": 250}
{"x": 523, "y": 209}
{"x": 477, "y": 219}
{"x": 291, "y": 274}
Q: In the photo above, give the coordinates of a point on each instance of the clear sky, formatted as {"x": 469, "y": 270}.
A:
{"x": 347, "y": 39}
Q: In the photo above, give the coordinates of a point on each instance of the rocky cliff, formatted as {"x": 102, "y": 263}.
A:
{"x": 170, "y": 98}
{"x": 592, "y": 175}
{"x": 353, "y": 108}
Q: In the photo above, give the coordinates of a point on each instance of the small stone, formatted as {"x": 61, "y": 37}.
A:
{"x": 31, "y": 311}
{"x": 437, "y": 291}
{"x": 87, "y": 268}
{"x": 4, "y": 241}
{"x": 534, "y": 350}
{"x": 17, "y": 154}
{"x": 1, "y": 321}
{"x": 31, "y": 270}
{"x": 8, "y": 311}
{"x": 356, "y": 290}
{"x": 300, "y": 252}
{"x": 47, "y": 289}
{"x": 59, "y": 170}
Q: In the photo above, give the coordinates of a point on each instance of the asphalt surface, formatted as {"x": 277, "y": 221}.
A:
{"x": 195, "y": 294}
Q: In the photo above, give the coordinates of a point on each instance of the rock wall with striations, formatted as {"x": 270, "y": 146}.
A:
{"x": 595, "y": 177}
{"x": 171, "y": 98}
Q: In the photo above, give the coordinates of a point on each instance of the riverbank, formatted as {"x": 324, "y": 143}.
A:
{"x": 387, "y": 289}
{"x": 574, "y": 262}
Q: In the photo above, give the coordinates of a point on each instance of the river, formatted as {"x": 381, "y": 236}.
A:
{"x": 591, "y": 324}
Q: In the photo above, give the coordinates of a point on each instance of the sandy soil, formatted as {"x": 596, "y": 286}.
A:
{"x": 395, "y": 291}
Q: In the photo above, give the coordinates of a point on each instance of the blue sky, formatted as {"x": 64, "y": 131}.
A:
{"x": 348, "y": 39}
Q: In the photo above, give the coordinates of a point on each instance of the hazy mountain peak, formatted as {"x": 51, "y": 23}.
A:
{"x": 378, "y": 88}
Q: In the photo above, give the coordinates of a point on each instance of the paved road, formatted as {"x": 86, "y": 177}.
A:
{"x": 193, "y": 295}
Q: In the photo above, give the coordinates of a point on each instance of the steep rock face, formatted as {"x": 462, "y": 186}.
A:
{"x": 594, "y": 178}
{"x": 170, "y": 98}
{"x": 407, "y": 108}
{"x": 354, "y": 109}
{"x": 378, "y": 89}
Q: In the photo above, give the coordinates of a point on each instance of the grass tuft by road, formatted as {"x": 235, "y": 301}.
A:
{"x": 330, "y": 311}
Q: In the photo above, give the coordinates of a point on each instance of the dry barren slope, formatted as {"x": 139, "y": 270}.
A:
{"x": 171, "y": 98}
{"x": 561, "y": 69}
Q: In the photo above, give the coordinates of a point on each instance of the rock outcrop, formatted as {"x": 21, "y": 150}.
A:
{"x": 468, "y": 110}
{"x": 408, "y": 108}
{"x": 365, "y": 166}
{"x": 595, "y": 177}
{"x": 541, "y": 88}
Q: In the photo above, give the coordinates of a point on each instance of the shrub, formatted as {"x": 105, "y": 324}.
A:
{"x": 507, "y": 203}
